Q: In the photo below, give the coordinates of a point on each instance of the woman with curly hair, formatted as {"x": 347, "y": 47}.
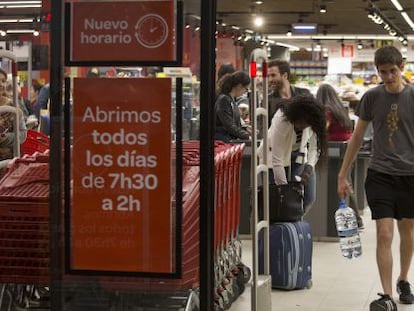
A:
{"x": 296, "y": 140}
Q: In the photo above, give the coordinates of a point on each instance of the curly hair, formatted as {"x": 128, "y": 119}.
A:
{"x": 305, "y": 108}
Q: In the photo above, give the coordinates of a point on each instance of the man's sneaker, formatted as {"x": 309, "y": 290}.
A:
{"x": 385, "y": 303}
{"x": 404, "y": 289}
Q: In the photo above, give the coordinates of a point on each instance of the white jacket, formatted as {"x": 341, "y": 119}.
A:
{"x": 281, "y": 137}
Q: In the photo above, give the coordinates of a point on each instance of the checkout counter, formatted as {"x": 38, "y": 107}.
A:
{"x": 321, "y": 215}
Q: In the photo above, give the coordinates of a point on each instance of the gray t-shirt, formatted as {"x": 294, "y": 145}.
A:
{"x": 392, "y": 117}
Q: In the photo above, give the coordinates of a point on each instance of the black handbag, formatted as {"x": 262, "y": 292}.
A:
{"x": 285, "y": 202}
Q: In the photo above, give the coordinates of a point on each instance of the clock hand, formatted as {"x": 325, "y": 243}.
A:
{"x": 152, "y": 29}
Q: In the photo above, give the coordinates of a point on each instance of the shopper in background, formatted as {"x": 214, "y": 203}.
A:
{"x": 93, "y": 73}
{"x": 7, "y": 133}
{"x": 339, "y": 127}
{"x": 338, "y": 123}
{"x": 34, "y": 93}
{"x": 228, "y": 124}
{"x": 225, "y": 69}
{"x": 279, "y": 85}
{"x": 304, "y": 115}
{"x": 373, "y": 80}
{"x": 243, "y": 105}
{"x": 389, "y": 184}
{"x": 42, "y": 103}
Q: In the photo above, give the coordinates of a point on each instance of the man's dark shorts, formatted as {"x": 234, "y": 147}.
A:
{"x": 389, "y": 195}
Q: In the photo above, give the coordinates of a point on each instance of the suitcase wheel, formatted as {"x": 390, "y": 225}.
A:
{"x": 247, "y": 273}
{"x": 309, "y": 284}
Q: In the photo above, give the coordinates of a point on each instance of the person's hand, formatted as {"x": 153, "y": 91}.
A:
{"x": 344, "y": 187}
{"x": 306, "y": 174}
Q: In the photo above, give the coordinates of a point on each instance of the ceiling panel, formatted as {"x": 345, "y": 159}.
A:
{"x": 342, "y": 17}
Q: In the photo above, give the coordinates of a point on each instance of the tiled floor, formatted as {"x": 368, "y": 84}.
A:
{"x": 339, "y": 284}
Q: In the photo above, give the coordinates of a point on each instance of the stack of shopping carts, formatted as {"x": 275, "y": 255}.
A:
{"x": 24, "y": 232}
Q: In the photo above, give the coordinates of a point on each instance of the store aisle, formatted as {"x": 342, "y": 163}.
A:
{"x": 339, "y": 284}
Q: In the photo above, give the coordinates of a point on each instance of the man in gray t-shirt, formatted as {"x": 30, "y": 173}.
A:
{"x": 389, "y": 184}
{"x": 393, "y": 145}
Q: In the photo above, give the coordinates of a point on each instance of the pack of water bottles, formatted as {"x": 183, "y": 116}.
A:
{"x": 347, "y": 228}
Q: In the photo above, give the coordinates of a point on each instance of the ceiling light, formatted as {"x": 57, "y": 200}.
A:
{"x": 335, "y": 37}
{"x": 304, "y": 26}
{"x": 36, "y": 33}
{"x": 16, "y": 20}
{"x": 378, "y": 18}
{"x": 22, "y": 2}
{"x": 322, "y": 9}
{"x": 3, "y": 33}
{"x": 19, "y": 6}
{"x": 359, "y": 46}
{"x": 20, "y": 31}
{"x": 397, "y": 5}
{"x": 289, "y": 33}
{"x": 258, "y": 21}
{"x": 289, "y": 46}
{"x": 392, "y": 32}
{"x": 408, "y": 19}
{"x": 258, "y": 2}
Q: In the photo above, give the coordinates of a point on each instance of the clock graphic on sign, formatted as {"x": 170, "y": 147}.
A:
{"x": 151, "y": 31}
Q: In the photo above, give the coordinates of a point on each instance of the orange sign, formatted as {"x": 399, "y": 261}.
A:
{"x": 122, "y": 31}
{"x": 121, "y": 214}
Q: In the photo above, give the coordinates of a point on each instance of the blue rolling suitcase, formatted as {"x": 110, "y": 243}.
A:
{"x": 290, "y": 252}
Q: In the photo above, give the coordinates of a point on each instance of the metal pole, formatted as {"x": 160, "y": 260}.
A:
{"x": 207, "y": 94}
{"x": 261, "y": 299}
{"x": 55, "y": 186}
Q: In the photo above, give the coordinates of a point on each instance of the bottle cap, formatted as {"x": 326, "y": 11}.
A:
{"x": 342, "y": 203}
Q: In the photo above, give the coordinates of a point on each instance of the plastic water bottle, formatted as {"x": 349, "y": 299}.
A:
{"x": 347, "y": 228}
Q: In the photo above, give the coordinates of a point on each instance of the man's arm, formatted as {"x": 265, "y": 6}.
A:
{"x": 354, "y": 144}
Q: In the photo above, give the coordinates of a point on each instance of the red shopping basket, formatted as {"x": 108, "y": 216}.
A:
{"x": 35, "y": 142}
